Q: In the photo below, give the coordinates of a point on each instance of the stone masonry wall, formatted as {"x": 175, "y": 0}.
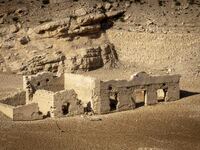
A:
{"x": 69, "y": 99}
{"x": 27, "y": 113}
{"x": 82, "y": 85}
{"x": 16, "y": 99}
{"x": 122, "y": 92}
{"x": 43, "y": 80}
{"x": 45, "y": 101}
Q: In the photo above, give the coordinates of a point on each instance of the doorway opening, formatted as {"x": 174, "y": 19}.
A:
{"x": 113, "y": 101}
{"x": 65, "y": 108}
{"x": 139, "y": 96}
{"x": 161, "y": 94}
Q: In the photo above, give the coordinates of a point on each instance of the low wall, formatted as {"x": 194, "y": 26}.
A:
{"x": 26, "y": 113}
{"x": 16, "y": 99}
{"x": 21, "y": 113}
{"x": 7, "y": 110}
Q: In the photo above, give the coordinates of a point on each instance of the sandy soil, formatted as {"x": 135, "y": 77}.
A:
{"x": 174, "y": 125}
{"x": 151, "y": 38}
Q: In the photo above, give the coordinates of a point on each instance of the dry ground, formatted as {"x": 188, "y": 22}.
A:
{"x": 172, "y": 47}
{"x": 174, "y": 125}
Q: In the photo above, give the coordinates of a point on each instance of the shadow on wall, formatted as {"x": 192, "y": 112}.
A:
{"x": 184, "y": 93}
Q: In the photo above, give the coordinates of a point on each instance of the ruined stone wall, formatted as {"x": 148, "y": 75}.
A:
{"x": 45, "y": 101}
{"x": 39, "y": 81}
{"x": 16, "y": 99}
{"x": 21, "y": 113}
{"x": 52, "y": 104}
{"x": 26, "y": 113}
{"x": 68, "y": 99}
{"x": 82, "y": 85}
{"x": 122, "y": 92}
{"x": 43, "y": 80}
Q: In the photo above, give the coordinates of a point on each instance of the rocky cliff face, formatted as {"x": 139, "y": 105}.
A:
{"x": 57, "y": 35}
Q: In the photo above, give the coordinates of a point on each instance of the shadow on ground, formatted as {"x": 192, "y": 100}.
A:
{"x": 184, "y": 93}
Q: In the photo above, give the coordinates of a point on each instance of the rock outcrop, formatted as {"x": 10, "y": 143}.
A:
{"x": 83, "y": 24}
{"x": 92, "y": 58}
{"x": 43, "y": 63}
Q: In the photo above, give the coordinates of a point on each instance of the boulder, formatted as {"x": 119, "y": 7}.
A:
{"x": 24, "y": 40}
{"x": 86, "y": 29}
{"x": 51, "y": 26}
{"x": 80, "y": 12}
{"x": 92, "y": 18}
{"x": 115, "y": 13}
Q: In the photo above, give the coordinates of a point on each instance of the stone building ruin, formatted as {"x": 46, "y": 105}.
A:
{"x": 118, "y": 95}
{"x": 46, "y": 95}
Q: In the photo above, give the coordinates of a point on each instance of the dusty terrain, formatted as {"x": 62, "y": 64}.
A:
{"x": 159, "y": 37}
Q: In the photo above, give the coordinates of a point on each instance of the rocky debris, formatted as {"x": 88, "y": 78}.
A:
{"x": 21, "y": 11}
{"x": 83, "y": 24}
{"x": 2, "y": 18}
{"x": 111, "y": 14}
{"x": 80, "y": 12}
{"x": 43, "y": 63}
{"x": 14, "y": 28}
{"x": 56, "y": 1}
{"x": 51, "y": 26}
{"x": 8, "y": 41}
{"x": 85, "y": 59}
{"x": 45, "y": 2}
{"x": 92, "y": 18}
{"x": 91, "y": 58}
{"x": 2, "y": 65}
{"x": 85, "y": 29}
{"x": 109, "y": 55}
{"x": 24, "y": 40}
{"x": 108, "y": 6}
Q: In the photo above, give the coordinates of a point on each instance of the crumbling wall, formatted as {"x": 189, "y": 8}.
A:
{"x": 119, "y": 95}
{"x": 27, "y": 113}
{"x": 66, "y": 103}
{"x": 21, "y": 113}
{"x": 43, "y": 80}
{"x": 44, "y": 99}
{"x": 54, "y": 104}
{"x": 82, "y": 85}
{"x": 16, "y": 99}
